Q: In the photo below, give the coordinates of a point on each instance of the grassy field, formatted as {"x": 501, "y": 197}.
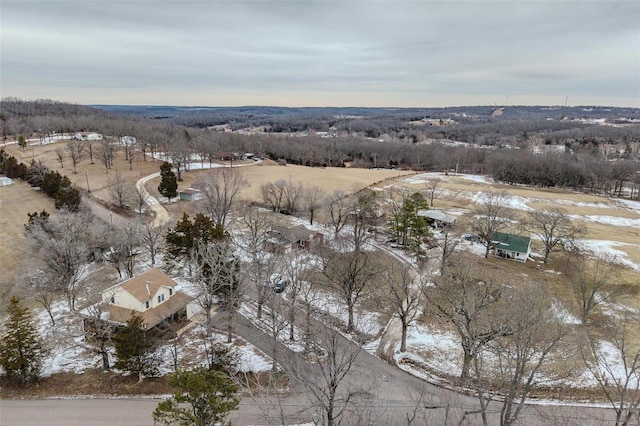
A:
{"x": 16, "y": 200}
{"x": 329, "y": 179}
{"x": 460, "y": 192}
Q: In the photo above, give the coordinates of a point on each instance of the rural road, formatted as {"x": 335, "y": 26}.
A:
{"x": 396, "y": 392}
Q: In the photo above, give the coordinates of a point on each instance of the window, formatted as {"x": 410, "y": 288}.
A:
{"x": 113, "y": 299}
{"x": 147, "y": 304}
{"x": 170, "y": 292}
{"x": 161, "y": 298}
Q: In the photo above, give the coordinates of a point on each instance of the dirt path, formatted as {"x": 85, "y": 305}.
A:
{"x": 161, "y": 214}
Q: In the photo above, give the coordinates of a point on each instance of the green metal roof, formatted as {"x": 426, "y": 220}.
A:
{"x": 510, "y": 242}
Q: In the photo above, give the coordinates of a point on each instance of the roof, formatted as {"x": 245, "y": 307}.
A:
{"x": 151, "y": 316}
{"x": 297, "y": 233}
{"x": 145, "y": 286}
{"x": 190, "y": 191}
{"x": 438, "y": 215}
{"x": 510, "y": 242}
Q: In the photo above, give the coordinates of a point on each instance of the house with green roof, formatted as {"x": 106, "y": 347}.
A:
{"x": 509, "y": 246}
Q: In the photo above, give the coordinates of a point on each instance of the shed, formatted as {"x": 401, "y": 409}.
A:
{"x": 191, "y": 194}
{"x": 437, "y": 218}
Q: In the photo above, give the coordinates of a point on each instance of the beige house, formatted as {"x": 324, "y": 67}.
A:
{"x": 151, "y": 295}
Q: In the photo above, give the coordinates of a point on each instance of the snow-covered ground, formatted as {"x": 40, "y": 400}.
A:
{"x": 198, "y": 163}
{"x": 607, "y": 248}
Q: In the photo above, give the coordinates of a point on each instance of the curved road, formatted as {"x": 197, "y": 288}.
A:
{"x": 396, "y": 391}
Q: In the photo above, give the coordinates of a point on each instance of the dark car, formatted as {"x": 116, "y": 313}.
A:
{"x": 279, "y": 284}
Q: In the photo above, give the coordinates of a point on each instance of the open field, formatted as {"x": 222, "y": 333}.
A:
{"x": 16, "y": 200}
{"x": 257, "y": 174}
{"x": 612, "y": 224}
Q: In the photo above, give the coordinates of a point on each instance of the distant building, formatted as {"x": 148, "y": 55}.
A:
{"x": 511, "y": 246}
{"x": 128, "y": 140}
{"x": 88, "y": 136}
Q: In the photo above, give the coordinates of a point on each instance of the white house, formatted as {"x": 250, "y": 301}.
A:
{"x": 509, "y": 246}
{"x": 128, "y": 140}
{"x": 88, "y": 136}
{"x": 151, "y": 295}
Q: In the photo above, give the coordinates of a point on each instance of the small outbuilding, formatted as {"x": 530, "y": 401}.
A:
{"x": 191, "y": 194}
{"x": 437, "y": 218}
{"x": 509, "y": 246}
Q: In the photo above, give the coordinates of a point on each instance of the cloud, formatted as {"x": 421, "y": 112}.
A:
{"x": 405, "y": 53}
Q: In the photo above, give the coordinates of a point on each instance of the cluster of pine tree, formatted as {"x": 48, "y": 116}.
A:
{"x": 51, "y": 182}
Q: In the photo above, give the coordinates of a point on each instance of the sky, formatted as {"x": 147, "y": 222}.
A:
{"x": 322, "y": 53}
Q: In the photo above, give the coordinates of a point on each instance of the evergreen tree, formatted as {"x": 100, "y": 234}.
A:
{"x": 182, "y": 239}
{"x": 21, "y": 350}
{"x": 205, "y": 397}
{"x": 22, "y": 142}
{"x": 169, "y": 184}
{"x": 134, "y": 349}
{"x": 68, "y": 198}
{"x": 409, "y": 228}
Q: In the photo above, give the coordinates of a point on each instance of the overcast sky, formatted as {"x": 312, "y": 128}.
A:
{"x": 322, "y": 53}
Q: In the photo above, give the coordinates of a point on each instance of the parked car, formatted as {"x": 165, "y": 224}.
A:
{"x": 472, "y": 238}
{"x": 279, "y": 284}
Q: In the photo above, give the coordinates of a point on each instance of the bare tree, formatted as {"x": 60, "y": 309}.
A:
{"x": 297, "y": 271}
{"x": 215, "y": 267}
{"x": 152, "y": 238}
{"x": 450, "y": 238}
{"x": 60, "y": 153}
{"x": 98, "y": 330}
{"x": 404, "y": 293}
{"x": 590, "y": 280}
{"x": 106, "y": 153}
{"x": 221, "y": 187}
{"x": 312, "y": 201}
{"x": 554, "y": 227}
{"x": 470, "y": 299}
{"x": 433, "y": 189}
{"x": 333, "y": 380}
{"x": 129, "y": 147}
{"x": 492, "y": 216}
{"x": 534, "y": 333}
{"x": 338, "y": 208}
{"x": 615, "y": 364}
{"x": 291, "y": 195}
{"x": 124, "y": 249}
{"x": 263, "y": 265}
{"x": 90, "y": 150}
{"x": 141, "y": 196}
{"x": 76, "y": 150}
{"x": 180, "y": 161}
{"x": 121, "y": 191}
{"x": 273, "y": 194}
{"x": 350, "y": 273}
{"x": 64, "y": 247}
